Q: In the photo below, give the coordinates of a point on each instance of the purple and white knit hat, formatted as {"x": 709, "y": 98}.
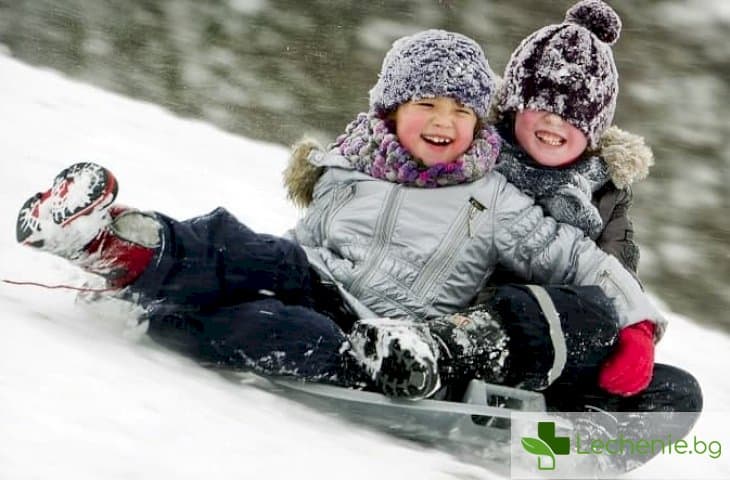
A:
{"x": 434, "y": 63}
{"x": 568, "y": 69}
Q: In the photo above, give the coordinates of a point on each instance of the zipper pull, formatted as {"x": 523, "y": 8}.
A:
{"x": 474, "y": 208}
{"x": 476, "y": 204}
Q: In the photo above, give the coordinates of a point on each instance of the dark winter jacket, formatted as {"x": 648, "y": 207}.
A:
{"x": 628, "y": 160}
{"x": 617, "y": 237}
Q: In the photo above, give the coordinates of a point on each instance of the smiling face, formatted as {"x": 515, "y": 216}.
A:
{"x": 435, "y": 130}
{"x": 548, "y": 139}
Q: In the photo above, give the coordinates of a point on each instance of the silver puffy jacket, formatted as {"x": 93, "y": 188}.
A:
{"x": 401, "y": 251}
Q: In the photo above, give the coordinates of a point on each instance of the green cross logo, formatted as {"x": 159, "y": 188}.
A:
{"x": 546, "y": 445}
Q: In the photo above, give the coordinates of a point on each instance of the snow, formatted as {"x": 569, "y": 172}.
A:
{"x": 84, "y": 396}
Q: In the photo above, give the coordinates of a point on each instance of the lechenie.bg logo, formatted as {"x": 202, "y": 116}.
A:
{"x": 547, "y": 445}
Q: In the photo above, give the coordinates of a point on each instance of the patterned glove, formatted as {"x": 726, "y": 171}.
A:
{"x": 629, "y": 370}
{"x": 571, "y": 204}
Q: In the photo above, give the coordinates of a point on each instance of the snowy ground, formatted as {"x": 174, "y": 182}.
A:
{"x": 82, "y": 396}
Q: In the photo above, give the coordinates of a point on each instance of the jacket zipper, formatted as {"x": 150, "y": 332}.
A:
{"x": 475, "y": 207}
{"x": 464, "y": 225}
{"x": 380, "y": 239}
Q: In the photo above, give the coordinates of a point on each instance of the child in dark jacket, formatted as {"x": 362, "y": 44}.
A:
{"x": 555, "y": 105}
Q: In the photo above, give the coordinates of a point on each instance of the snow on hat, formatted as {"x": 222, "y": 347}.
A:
{"x": 434, "y": 63}
{"x": 568, "y": 69}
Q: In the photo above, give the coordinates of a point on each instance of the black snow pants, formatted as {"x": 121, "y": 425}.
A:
{"x": 670, "y": 405}
{"x": 226, "y": 295}
{"x": 571, "y": 347}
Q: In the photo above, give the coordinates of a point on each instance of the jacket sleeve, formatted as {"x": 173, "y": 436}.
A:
{"x": 543, "y": 250}
{"x": 617, "y": 237}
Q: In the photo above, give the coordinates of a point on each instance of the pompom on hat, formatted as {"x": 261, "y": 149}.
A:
{"x": 568, "y": 69}
{"x": 434, "y": 63}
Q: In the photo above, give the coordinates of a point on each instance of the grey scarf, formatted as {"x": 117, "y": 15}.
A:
{"x": 564, "y": 193}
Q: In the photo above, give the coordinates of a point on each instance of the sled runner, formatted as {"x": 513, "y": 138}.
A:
{"x": 475, "y": 429}
{"x": 481, "y": 416}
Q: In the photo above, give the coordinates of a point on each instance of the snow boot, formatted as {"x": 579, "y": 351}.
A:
{"x": 400, "y": 356}
{"x": 412, "y": 359}
{"x": 474, "y": 345}
{"x": 75, "y": 219}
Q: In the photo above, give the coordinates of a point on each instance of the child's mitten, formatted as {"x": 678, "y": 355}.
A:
{"x": 629, "y": 369}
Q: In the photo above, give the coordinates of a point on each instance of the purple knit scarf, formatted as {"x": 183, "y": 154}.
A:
{"x": 372, "y": 148}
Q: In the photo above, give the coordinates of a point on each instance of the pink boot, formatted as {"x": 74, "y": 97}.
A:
{"x": 75, "y": 220}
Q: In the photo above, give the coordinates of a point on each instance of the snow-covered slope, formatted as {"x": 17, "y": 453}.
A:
{"x": 83, "y": 396}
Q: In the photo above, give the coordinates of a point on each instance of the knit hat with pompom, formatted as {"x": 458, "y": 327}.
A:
{"x": 568, "y": 69}
{"x": 434, "y": 63}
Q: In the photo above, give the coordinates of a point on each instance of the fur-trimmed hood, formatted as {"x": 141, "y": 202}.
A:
{"x": 627, "y": 156}
{"x": 300, "y": 175}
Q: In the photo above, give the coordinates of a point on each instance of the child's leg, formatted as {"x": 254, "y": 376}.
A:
{"x": 213, "y": 288}
{"x": 214, "y": 260}
{"x": 671, "y": 390}
{"x": 210, "y": 260}
{"x": 567, "y": 336}
{"x": 265, "y": 336}
{"x": 672, "y": 404}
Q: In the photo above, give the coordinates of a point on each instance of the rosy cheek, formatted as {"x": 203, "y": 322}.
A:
{"x": 464, "y": 144}
{"x": 407, "y": 142}
{"x": 405, "y": 136}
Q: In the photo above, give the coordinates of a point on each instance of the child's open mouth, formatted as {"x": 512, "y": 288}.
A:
{"x": 436, "y": 140}
{"x": 549, "y": 138}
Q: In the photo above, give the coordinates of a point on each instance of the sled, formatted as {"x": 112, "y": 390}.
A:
{"x": 475, "y": 429}
{"x": 481, "y": 417}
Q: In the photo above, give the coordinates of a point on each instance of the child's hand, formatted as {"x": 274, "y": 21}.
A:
{"x": 629, "y": 370}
